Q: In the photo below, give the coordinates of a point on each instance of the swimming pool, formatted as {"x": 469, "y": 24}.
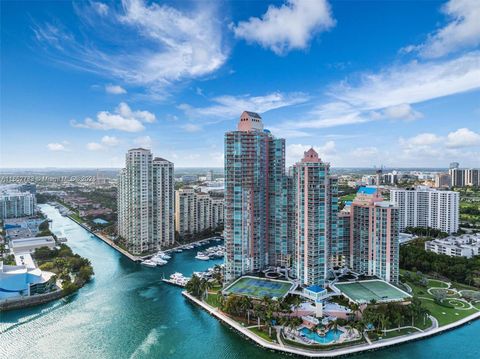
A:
{"x": 329, "y": 337}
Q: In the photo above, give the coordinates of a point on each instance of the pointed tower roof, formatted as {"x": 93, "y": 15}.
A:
{"x": 310, "y": 156}
{"x": 250, "y": 121}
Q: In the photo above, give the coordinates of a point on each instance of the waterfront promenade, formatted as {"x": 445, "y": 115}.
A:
{"x": 107, "y": 241}
{"x": 281, "y": 347}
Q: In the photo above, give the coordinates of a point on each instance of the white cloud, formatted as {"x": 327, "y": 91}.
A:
{"x": 94, "y": 146}
{"x": 423, "y": 139}
{"x": 106, "y": 141}
{"x": 290, "y": 26}
{"x": 190, "y": 127}
{"x": 228, "y": 107}
{"x": 100, "y": 8}
{"x": 365, "y": 153}
{"x": 390, "y": 93}
{"x": 110, "y": 140}
{"x": 294, "y": 152}
{"x": 115, "y": 89}
{"x": 123, "y": 119}
{"x": 461, "y": 32}
{"x": 463, "y": 137}
{"x": 401, "y": 112}
{"x": 144, "y": 141}
{"x": 412, "y": 83}
{"x": 155, "y": 44}
{"x": 57, "y": 146}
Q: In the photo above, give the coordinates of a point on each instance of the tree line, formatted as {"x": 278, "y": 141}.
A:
{"x": 458, "y": 269}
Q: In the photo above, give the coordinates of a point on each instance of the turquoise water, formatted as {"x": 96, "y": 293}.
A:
{"x": 329, "y": 337}
{"x": 100, "y": 221}
{"x": 127, "y": 312}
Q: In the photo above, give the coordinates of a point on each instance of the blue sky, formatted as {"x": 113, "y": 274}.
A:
{"x": 364, "y": 82}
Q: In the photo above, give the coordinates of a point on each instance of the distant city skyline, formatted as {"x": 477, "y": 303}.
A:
{"x": 364, "y": 83}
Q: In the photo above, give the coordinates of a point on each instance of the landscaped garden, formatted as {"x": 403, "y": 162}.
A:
{"x": 73, "y": 271}
{"x": 443, "y": 300}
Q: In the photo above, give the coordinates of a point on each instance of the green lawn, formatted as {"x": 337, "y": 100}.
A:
{"x": 397, "y": 333}
{"x": 212, "y": 299}
{"x": 263, "y": 334}
{"x": 445, "y": 315}
{"x": 348, "y": 197}
{"x": 77, "y": 217}
{"x": 437, "y": 283}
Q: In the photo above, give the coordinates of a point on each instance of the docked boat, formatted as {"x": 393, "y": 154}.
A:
{"x": 163, "y": 255}
{"x": 158, "y": 261}
{"x": 202, "y": 256}
{"x": 149, "y": 263}
{"x": 177, "y": 279}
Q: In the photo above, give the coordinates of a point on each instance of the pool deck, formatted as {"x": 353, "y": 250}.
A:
{"x": 281, "y": 347}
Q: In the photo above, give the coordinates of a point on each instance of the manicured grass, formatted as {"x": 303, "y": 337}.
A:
{"x": 397, "y": 333}
{"x": 445, "y": 315}
{"x": 259, "y": 287}
{"x": 77, "y": 217}
{"x": 348, "y": 197}
{"x": 212, "y": 299}
{"x": 262, "y": 334}
{"x": 437, "y": 283}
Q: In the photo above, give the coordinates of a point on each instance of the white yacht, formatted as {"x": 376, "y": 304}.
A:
{"x": 149, "y": 263}
{"x": 202, "y": 256}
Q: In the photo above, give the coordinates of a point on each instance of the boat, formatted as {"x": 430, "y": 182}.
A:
{"x": 149, "y": 263}
{"x": 177, "y": 279}
{"x": 178, "y": 250}
{"x": 158, "y": 261}
{"x": 163, "y": 255}
{"x": 202, "y": 256}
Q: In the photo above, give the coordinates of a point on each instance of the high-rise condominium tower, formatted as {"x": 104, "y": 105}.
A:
{"x": 374, "y": 246}
{"x": 315, "y": 197}
{"x": 254, "y": 190}
{"x": 427, "y": 207}
{"x": 146, "y": 202}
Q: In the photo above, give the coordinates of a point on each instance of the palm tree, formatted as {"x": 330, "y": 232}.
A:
{"x": 383, "y": 323}
{"x": 355, "y": 309}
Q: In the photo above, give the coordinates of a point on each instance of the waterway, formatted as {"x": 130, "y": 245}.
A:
{"x": 128, "y": 312}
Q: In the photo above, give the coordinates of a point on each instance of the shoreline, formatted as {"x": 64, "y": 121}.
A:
{"x": 107, "y": 241}
{"x": 354, "y": 349}
{"x": 121, "y": 250}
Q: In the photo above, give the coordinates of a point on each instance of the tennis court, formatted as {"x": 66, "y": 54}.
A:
{"x": 378, "y": 290}
{"x": 259, "y": 287}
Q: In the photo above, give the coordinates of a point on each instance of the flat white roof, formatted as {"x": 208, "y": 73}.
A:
{"x": 33, "y": 241}
{"x": 24, "y": 259}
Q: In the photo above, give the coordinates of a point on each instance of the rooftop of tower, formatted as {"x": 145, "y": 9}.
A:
{"x": 250, "y": 121}
{"x": 310, "y": 156}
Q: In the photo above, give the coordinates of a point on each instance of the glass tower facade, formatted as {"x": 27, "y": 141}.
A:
{"x": 254, "y": 175}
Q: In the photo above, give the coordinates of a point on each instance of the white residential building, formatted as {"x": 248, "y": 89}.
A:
{"x": 14, "y": 204}
{"x": 467, "y": 246}
{"x": 426, "y": 207}
{"x": 146, "y": 202}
